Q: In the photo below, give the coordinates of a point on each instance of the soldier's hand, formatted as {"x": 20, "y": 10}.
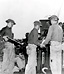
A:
{"x": 5, "y": 38}
{"x": 42, "y": 45}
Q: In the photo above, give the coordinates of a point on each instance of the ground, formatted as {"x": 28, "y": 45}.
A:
{"x": 48, "y": 72}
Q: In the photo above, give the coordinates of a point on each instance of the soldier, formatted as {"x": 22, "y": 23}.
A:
{"x": 60, "y": 23}
{"x": 9, "y": 54}
{"x": 55, "y": 34}
{"x": 31, "y": 50}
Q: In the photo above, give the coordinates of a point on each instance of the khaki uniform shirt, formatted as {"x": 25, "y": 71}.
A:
{"x": 33, "y": 37}
{"x": 6, "y": 31}
{"x": 55, "y": 33}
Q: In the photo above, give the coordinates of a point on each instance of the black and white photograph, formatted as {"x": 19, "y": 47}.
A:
{"x": 31, "y": 36}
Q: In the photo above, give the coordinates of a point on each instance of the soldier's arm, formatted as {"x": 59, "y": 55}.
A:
{"x": 12, "y": 35}
{"x": 36, "y": 42}
{"x": 2, "y": 31}
{"x": 62, "y": 36}
{"x": 2, "y": 34}
{"x": 49, "y": 35}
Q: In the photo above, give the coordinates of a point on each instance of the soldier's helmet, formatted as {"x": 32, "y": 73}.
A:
{"x": 37, "y": 23}
{"x": 10, "y": 20}
{"x": 54, "y": 17}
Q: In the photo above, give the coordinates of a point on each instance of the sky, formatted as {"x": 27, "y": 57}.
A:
{"x": 25, "y": 12}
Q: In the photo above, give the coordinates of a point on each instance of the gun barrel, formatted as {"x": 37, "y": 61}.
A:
{"x": 14, "y": 42}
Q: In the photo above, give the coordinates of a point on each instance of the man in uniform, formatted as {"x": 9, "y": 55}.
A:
{"x": 9, "y": 54}
{"x": 55, "y": 35}
{"x": 60, "y": 23}
{"x": 31, "y": 49}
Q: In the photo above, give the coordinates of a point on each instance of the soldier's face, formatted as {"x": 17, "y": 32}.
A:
{"x": 10, "y": 24}
{"x": 53, "y": 22}
{"x": 37, "y": 27}
{"x": 61, "y": 25}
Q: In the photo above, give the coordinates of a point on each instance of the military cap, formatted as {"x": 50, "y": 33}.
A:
{"x": 60, "y": 23}
{"x": 53, "y": 17}
{"x": 10, "y": 20}
{"x": 37, "y": 23}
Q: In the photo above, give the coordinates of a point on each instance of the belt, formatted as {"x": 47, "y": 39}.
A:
{"x": 55, "y": 43}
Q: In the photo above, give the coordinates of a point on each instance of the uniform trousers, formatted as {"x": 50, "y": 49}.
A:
{"x": 8, "y": 59}
{"x": 31, "y": 64}
{"x": 55, "y": 57}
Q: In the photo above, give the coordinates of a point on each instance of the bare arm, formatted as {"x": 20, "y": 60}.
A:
{"x": 49, "y": 35}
